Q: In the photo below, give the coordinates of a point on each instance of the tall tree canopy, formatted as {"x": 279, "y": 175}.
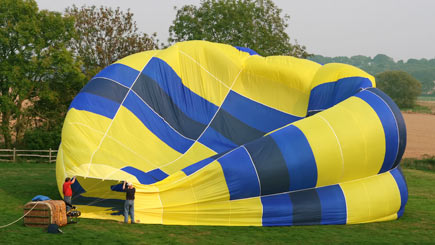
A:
{"x": 255, "y": 24}
{"x": 105, "y": 36}
{"x": 37, "y": 72}
{"x": 400, "y": 86}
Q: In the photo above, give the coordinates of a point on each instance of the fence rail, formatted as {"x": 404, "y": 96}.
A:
{"x": 12, "y": 155}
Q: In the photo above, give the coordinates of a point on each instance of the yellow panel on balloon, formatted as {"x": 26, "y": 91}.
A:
{"x": 334, "y": 71}
{"x": 81, "y": 134}
{"x": 207, "y": 80}
{"x": 283, "y": 89}
{"x": 326, "y": 149}
{"x": 246, "y": 212}
{"x": 139, "y": 60}
{"x": 371, "y": 198}
{"x": 127, "y": 137}
{"x": 350, "y": 121}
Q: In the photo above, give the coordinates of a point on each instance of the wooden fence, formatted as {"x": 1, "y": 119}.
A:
{"x": 12, "y": 155}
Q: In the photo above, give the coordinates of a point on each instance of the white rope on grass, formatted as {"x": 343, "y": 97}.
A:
{"x": 20, "y": 218}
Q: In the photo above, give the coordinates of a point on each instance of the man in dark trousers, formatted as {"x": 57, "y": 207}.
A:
{"x": 67, "y": 192}
{"x": 129, "y": 201}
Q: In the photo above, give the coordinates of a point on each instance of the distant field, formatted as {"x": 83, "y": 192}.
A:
{"x": 21, "y": 181}
{"x": 426, "y": 98}
{"x": 420, "y": 135}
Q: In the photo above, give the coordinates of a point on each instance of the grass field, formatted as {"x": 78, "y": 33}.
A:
{"x": 20, "y": 182}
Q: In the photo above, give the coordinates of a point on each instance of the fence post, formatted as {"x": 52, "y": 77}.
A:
{"x": 49, "y": 155}
{"x": 14, "y": 152}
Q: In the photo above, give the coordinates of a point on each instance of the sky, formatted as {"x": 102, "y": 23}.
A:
{"x": 401, "y": 29}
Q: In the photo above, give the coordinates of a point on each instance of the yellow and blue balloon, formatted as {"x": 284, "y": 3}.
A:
{"x": 212, "y": 134}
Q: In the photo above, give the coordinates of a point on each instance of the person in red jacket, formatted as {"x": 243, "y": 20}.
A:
{"x": 67, "y": 192}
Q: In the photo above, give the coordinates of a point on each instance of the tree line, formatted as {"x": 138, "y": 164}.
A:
{"x": 47, "y": 57}
{"x": 421, "y": 69}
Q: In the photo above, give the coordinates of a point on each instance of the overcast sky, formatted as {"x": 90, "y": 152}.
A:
{"x": 401, "y": 29}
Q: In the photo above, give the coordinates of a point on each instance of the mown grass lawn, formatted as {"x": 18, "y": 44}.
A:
{"x": 20, "y": 182}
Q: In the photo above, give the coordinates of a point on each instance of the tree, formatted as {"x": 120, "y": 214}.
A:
{"x": 35, "y": 66}
{"x": 105, "y": 36}
{"x": 255, "y": 24}
{"x": 400, "y": 86}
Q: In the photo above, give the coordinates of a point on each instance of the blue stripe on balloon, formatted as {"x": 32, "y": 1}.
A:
{"x": 256, "y": 115}
{"x": 399, "y": 120}
{"x": 326, "y": 95}
{"x": 215, "y": 141}
{"x": 197, "y": 166}
{"x": 333, "y": 205}
{"x": 277, "y": 210}
{"x": 388, "y": 123}
{"x": 158, "y": 174}
{"x": 146, "y": 177}
{"x": 240, "y": 174}
{"x": 247, "y": 50}
{"x": 143, "y": 177}
{"x": 298, "y": 156}
{"x": 95, "y": 104}
{"x": 403, "y": 188}
{"x": 120, "y": 73}
{"x": 190, "y": 103}
{"x": 156, "y": 124}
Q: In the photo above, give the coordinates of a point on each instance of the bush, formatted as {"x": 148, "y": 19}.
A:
{"x": 41, "y": 139}
{"x": 427, "y": 163}
{"x": 400, "y": 86}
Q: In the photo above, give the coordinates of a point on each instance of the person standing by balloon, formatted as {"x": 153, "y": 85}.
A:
{"x": 129, "y": 201}
{"x": 67, "y": 192}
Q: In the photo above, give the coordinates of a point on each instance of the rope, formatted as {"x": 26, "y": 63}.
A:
{"x": 19, "y": 218}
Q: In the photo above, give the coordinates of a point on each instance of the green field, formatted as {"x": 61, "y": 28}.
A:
{"x": 20, "y": 182}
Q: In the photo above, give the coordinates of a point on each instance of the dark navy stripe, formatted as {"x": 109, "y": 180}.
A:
{"x": 156, "y": 124}
{"x": 106, "y": 88}
{"x": 333, "y": 204}
{"x": 388, "y": 123}
{"x": 191, "y": 104}
{"x": 247, "y": 50}
{"x": 240, "y": 174}
{"x": 277, "y": 210}
{"x": 326, "y": 95}
{"x": 215, "y": 141}
{"x": 162, "y": 104}
{"x": 234, "y": 129}
{"x": 298, "y": 156}
{"x": 256, "y": 115}
{"x": 399, "y": 120}
{"x": 96, "y": 104}
{"x": 270, "y": 164}
{"x": 120, "y": 73}
{"x": 403, "y": 188}
{"x": 77, "y": 189}
{"x": 306, "y": 207}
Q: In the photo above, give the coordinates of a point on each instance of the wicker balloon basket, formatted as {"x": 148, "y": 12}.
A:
{"x": 45, "y": 213}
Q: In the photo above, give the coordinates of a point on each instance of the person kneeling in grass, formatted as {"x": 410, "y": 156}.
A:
{"x": 129, "y": 201}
